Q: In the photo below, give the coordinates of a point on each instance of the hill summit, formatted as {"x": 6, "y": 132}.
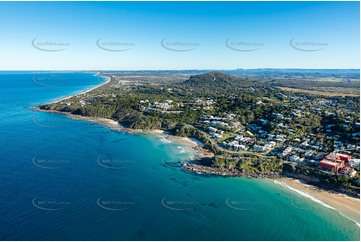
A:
{"x": 216, "y": 79}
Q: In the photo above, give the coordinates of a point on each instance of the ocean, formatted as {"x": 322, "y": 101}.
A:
{"x": 65, "y": 179}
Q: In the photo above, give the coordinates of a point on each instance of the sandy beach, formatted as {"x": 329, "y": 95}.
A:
{"x": 346, "y": 205}
{"x": 84, "y": 92}
{"x": 191, "y": 143}
{"x": 112, "y": 124}
{"x": 185, "y": 140}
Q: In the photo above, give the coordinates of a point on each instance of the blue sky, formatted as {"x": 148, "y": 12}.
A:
{"x": 178, "y": 35}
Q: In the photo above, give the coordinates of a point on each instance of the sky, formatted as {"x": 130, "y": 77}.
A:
{"x": 178, "y": 35}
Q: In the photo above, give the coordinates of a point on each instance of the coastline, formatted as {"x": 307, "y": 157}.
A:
{"x": 347, "y": 206}
{"x": 83, "y": 92}
{"x": 190, "y": 143}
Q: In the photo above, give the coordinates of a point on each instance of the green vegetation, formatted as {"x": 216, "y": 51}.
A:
{"x": 329, "y": 181}
{"x": 249, "y": 163}
{"x": 225, "y": 137}
{"x": 236, "y": 119}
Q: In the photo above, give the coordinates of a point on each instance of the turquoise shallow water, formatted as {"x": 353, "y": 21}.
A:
{"x": 64, "y": 179}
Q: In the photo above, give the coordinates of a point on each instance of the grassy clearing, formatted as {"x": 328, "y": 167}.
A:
{"x": 226, "y": 136}
{"x": 336, "y": 92}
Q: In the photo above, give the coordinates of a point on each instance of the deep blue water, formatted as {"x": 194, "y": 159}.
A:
{"x": 64, "y": 179}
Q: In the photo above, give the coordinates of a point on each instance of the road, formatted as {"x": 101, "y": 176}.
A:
{"x": 215, "y": 144}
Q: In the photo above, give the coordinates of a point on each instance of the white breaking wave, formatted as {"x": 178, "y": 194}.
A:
{"x": 164, "y": 140}
{"x": 182, "y": 150}
{"x": 304, "y": 194}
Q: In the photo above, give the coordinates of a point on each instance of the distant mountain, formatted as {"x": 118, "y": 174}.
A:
{"x": 216, "y": 80}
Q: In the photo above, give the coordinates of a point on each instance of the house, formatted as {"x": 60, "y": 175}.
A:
{"x": 309, "y": 153}
{"x": 158, "y": 105}
{"x": 352, "y": 174}
{"x": 231, "y": 116}
{"x": 286, "y": 151}
{"x": 82, "y": 103}
{"x": 259, "y": 148}
{"x": 238, "y": 137}
{"x": 67, "y": 103}
{"x": 355, "y": 162}
{"x": 269, "y": 145}
{"x": 270, "y": 136}
{"x": 304, "y": 144}
{"x": 294, "y": 158}
{"x": 239, "y": 147}
{"x": 217, "y": 136}
{"x": 212, "y": 130}
{"x": 218, "y": 124}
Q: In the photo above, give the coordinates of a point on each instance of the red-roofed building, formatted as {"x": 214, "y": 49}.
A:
{"x": 330, "y": 165}
{"x": 344, "y": 157}
{"x": 334, "y": 161}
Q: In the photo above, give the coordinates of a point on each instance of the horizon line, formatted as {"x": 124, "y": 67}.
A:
{"x": 205, "y": 69}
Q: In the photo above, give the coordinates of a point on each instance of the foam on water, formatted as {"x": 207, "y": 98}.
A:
{"x": 306, "y": 195}
{"x": 165, "y": 140}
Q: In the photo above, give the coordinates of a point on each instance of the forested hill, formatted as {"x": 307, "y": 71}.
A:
{"x": 216, "y": 82}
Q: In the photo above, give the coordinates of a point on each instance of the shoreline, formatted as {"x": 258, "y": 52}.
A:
{"x": 347, "y": 206}
{"x": 190, "y": 143}
{"x": 108, "y": 79}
